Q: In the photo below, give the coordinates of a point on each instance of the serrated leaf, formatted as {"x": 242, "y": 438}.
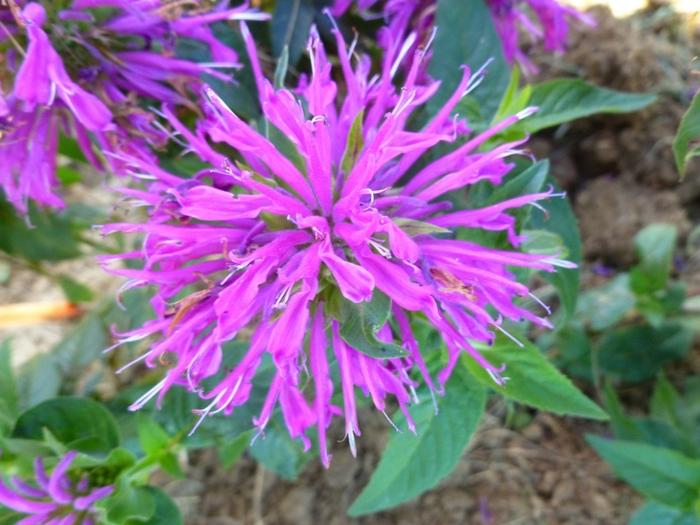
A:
{"x": 466, "y": 35}
{"x": 411, "y": 464}
{"x": 360, "y": 323}
{"x": 79, "y": 423}
{"x": 686, "y": 143}
{"x": 655, "y": 245}
{"x": 653, "y": 513}
{"x": 659, "y": 473}
{"x": 566, "y": 99}
{"x": 637, "y": 353}
{"x": 51, "y": 236}
{"x": 532, "y": 379}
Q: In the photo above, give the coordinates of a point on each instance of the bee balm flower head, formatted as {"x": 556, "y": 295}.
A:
{"x": 321, "y": 248}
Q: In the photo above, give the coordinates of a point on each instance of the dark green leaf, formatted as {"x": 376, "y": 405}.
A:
{"x": 9, "y": 395}
{"x": 51, "y": 236}
{"x": 566, "y": 99}
{"x": 281, "y": 69}
{"x": 361, "y": 322}
{"x": 278, "y": 452}
{"x": 531, "y": 180}
{"x": 74, "y": 291}
{"x": 412, "y": 464}
{"x": 290, "y": 25}
{"x": 655, "y": 246}
{"x": 79, "y": 423}
{"x": 664, "y": 401}
{"x": 466, "y": 35}
{"x": 653, "y": 513}
{"x": 686, "y": 143}
{"x": 606, "y": 306}
{"x": 658, "y": 473}
{"x": 533, "y": 380}
{"x": 559, "y": 218}
{"x": 165, "y": 512}
{"x": 230, "y": 452}
{"x": 637, "y": 353}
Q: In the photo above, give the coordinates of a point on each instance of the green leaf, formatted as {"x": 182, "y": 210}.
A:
{"x": 51, "y": 236}
{"x": 290, "y": 26}
{"x": 129, "y": 504}
{"x": 665, "y": 401}
{"x": 165, "y": 512}
{"x": 278, "y": 452}
{"x": 413, "y": 228}
{"x": 606, "y": 306}
{"x": 566, "y": 99}
{"x": 281, "y": 69}
{"x": 559, "y": 218}
{"x": 532, "y": 379}
{"x": 359, "y": 324}
{"x": 659, "y": 473}
{"x": 466, "y": 35}
{"x": 412, "y": 464}
{"x": 230, "y": 452}
{"x": 637, "y": 353}
{"x": 79, "y": 423}
{"x": 653, "y": 513}
{"x": 514, "y": 99}
{"x": 655, "y": 245}
{"x": 531, "y": 180}
{"x": 9, "y": 395}
{"x": 354, "y": 145}
{"x": 686, "y": 143}
{"x": 69, "y": 147}
{"x": 152, "y": 437}
{"x": 74, "y": 291}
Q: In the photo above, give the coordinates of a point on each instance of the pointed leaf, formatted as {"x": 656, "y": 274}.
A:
{"x": 533, "y": 380}
{"x": 412, "y": 464}
{"x": 686, "y": 144}
{"x": 659, "y": 473}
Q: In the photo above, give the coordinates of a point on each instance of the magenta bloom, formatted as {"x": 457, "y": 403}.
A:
{"x": 274, "y": 243}
{"x": 542, "y": 20}
{"x": 84, "y": 73}
{"x": 53, "y": 499}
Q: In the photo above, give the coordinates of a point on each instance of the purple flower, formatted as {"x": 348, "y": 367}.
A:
{"x": 53, "y": 499}
{"x": 541, "y": 20}
{"x": 84, "y": 71}
{"x": 273, "y": 242}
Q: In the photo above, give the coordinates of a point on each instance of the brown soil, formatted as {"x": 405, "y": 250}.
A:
{"x": 544, "y": 474}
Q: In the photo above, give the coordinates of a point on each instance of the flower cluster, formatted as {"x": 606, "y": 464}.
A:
{"x": 84, "y": 68}
{"x": 54, "y": 498}
{"x": 542, "y": 20}
{"x": 345, "y": 211}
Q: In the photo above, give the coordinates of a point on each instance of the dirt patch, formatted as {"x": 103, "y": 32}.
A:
{"x": 545, "y": 474}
